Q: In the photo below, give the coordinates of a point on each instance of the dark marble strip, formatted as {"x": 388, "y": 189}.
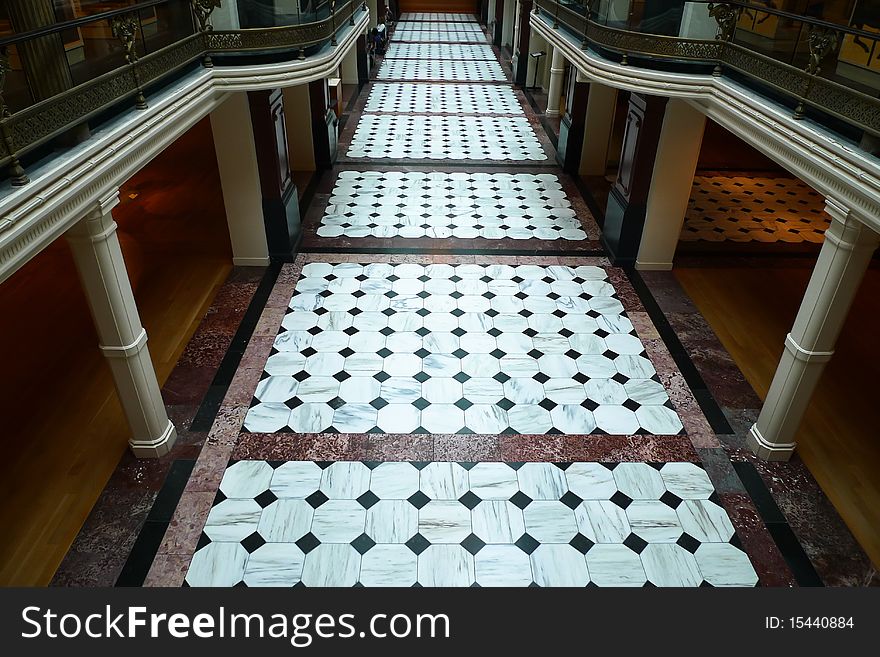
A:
{"x": 776, "y": 524}
{"x": 692, "y": 377}
{"x": 146, "y": 545}
{"x": 210, "y": 404}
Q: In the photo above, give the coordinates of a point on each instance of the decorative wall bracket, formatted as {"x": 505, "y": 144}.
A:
{"x": 726, "y": 16}
{"x": 17, "y": 175}
{"x": 822, "y": 42}
{"x": 202, "y": 10}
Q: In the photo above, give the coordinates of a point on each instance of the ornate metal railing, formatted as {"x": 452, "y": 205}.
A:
{"x": 807, "y": 86}
{"x": 39, "y": 122}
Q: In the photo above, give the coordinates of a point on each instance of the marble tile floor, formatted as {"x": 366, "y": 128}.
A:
{"x": 440, "y": 26}
{"x": 435, "y": 16}
{"x": 462, "y": 205}
{"x": 442, "y": 70}
{"x": 443, "y": 349}
{"x": 399, "y": 137}
{"x": 455, "y": 51}
{"x": 418, "y": 98}
{"x": 453, "y": 524}
{"x": 436, "y": 36}
{"x": 754, "y": 209}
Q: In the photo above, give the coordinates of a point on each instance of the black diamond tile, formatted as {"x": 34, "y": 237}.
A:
{"x": 505, "y": 404}
{"x": 497, "y": 353}
{"x": 580, "y": 377}
{"x": 530, "y": 332}
{"x": 501, "y": 377}
{"x": 253, "y": 542}
{"x": 384, "y": 352}
{"x": 620, "y": 378}
{"x": 301, "y": 376}
{"x": 520, "y": 500}
{"x": 336, "y": 402}
{"x": 635, "y": 543}
{"x": 418, "y": 544}
{"x": 494, "y": 332}
{"x": 536, "y": 353}
{"x": 566, "y": 333}
{"x": 632, "y": 405}
{"x": 363, "y": 544}
{"x": 570, "y": 500}
{"x": 621, "y": 500}
{"x": 315, "y": 330}
{"x": 470, "y": 500}
{"x": 590, "y": 405}
{"x": 473, "y": 544}
{"x": 525, "y": 313}
{"x": 293, "y": 403}
{"x": 378, "y": 403}
{"x": 421, "y": 403}
{"x": 265, "y": 498}
{"x": 458, "y": 331}
{"x": 527, "y": 544}
{"x": 491, "y": 312}
{"x": 464, "y": 404}
{"x": 388, "y": 312}
{"x": 459, "y": 353}
{"x": 601, "y": 333}
{"x": 308, "y": 351}
{"x": 204, "y": 540}
{"x": 688, "y": 542}
{"x": 386, "y": 331}
{"x": 316, "y": 499}
{"x": 341, "y": 376}
{"x": 355, "y": 311}
{"x": 547, "y": 404}
{"x": 559, "y": 313}
{"x": 368, "y": 499}
{"x": 381, "y": 377}
{"x": 421, "y": 377}
{"x": 308, "y": 543}
{"x": 422, "y": 353}
{"x": 424, "y": 312}
{"x": 574, "y": 355}
{"x": 422, "y": 331}
{"x": 540, "y": 377}
{"x": 461, "y": 377}
{"x": 581, "y": 543}
{"x": 418, "y": 499}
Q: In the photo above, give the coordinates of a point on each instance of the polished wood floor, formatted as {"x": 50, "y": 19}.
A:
{"x": 65, "y": 431}
{"x": 751, "y": 310}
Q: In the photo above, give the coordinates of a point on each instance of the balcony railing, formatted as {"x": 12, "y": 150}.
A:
{"x": 821, "y": 68}
{"x": 58, "y": 77}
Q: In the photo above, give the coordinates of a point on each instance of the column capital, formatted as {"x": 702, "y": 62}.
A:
{"x": 847, "y": 231}
{"x": 98, "y": 222}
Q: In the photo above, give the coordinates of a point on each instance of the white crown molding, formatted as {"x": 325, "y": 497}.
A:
{"x": 67, "y": 186}
{"x": 834, "y": 167}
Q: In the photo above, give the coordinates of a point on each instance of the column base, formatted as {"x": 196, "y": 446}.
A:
{"x": 768, "y": 451}
{"x": 551, "y": 113}
{"x": 251, "y": 262}
{"x": 653, "y": 266}
{"x": 153, "y": 449}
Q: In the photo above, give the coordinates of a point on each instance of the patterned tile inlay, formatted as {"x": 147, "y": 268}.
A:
{"x": 446, "y": 138}
{"x": 437, "y": 204}
{"x": 435, "y": 36}
{"x": 454, "y": 525}
{"x": 439, "y": 51}
{"x": 748, "y": 209}
{"x": 454, "y": 27}
{"x": 445, "y": 349}
{"x": 434, "y": 16}
{"x": 443, "y": 70}
{"x": 414, "y": 98}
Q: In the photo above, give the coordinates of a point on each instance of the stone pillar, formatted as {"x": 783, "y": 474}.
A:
{"x": 324, "y": 125}
{"x": 373, "y": 6}
{"x": 843, "y": 260}
{"x": 572, "y": 126}
{"x": 349, "y": 68}
{"x": 628, "y": 200}
{"x": 557, "y": 70}
{"x": 521, "y": 44}
{"x": 678, "y": 152}
{"x": 280, "y": 200}
{"x": 240, "y": 181}
{"x": 598, "y": 124}
{"x": 123, "y": 340}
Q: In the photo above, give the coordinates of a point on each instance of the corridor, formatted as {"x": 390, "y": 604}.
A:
{"x": 451, "y": 386}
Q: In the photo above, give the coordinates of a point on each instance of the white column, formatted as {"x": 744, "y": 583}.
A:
{"x": 601, "y": 106}
{"x": 98, "y": 258}
{"x": 240, "y": 180}
{"x": 225, "y": 17}
{"x": 843, "y": 260}
{"x": 373, "y": 6}
{"x": 297, "y": 108}
{"x": 557, "y": 68}
{"x": 677, "y": 155}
